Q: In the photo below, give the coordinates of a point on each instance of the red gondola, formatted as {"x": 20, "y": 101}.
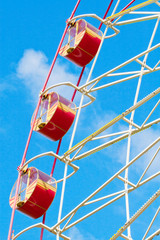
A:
{"x": 55, "y": 116}
{"x": 81, "y": 43}
{"x": 35, "y": 194}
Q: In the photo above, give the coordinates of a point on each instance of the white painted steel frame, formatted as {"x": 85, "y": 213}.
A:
{"x": 86, "y": 89}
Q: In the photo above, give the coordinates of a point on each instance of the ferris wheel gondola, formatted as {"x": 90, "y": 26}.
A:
{"x": 35, "y": 193}
{"x": 55, "y": 116}
{"x": 81, "y": 43}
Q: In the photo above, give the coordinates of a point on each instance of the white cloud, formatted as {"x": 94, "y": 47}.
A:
{"x": 101, "y": 121}
{"x": 118, "y": 151}
{"x": 140, "y": 142}
{"x": 33, "y": 69}
{"x": 74, "y": 233}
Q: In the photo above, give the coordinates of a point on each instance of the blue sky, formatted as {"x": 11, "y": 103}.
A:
{"x": 29, "y": 35}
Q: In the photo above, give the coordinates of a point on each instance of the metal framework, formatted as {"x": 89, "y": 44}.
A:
{"x": 100, "y": 139}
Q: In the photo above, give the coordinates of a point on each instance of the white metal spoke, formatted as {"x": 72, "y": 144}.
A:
{"x": 151, "y": 222}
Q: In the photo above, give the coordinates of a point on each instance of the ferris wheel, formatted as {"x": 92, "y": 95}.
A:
{"x": 110, "y": 182}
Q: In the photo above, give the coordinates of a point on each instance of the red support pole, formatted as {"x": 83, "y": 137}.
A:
{"x": 42, "y": 230}
{"x": 51, "y": 175}
{"x": 58, "y": 148}
{"x": 106, "y": 13}
{"x": 79, "y": 80}
{"x": 128, "y": 5}
{"x": 125, "y": 7}
{"x": 54, "y": 163}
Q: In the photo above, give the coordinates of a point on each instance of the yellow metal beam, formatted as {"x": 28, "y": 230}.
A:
{"x": 115, "y": 120}
{"x": 131, "y": 9}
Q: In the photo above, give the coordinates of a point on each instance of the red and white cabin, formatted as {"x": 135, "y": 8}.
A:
{"x": 35, "y": 193}
{"x": 55, "y": 117}
{"x": 81, "y": 43}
